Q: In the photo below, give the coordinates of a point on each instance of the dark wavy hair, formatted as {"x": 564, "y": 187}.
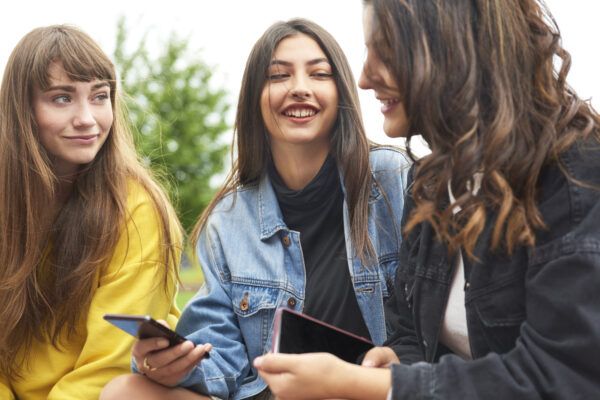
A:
{"x": 479, "y": 84}
{"x": 349, "y": 144}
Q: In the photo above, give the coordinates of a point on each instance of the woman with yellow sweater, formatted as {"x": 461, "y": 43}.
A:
{"x": 84, "y": 228}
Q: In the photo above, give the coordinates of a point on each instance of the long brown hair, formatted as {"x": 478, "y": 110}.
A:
{"x": 479, "y": 84}
{"x": 50, "y": 263}
{"x": 350, "y": 146}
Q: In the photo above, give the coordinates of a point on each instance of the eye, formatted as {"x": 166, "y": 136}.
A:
{"x": 62, "y": 99}
{"x": 277, "y": 77}
{"x": 322, "y": 75}
{"x": 101, "y": 97}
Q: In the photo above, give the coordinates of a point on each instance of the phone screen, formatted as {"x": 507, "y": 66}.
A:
{"x": 144, "y": 327}
{"x": 298, "y": 333}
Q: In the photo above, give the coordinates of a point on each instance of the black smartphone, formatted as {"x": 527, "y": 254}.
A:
{"x": 294, "y": 332}
{"x": 144, "y": 327}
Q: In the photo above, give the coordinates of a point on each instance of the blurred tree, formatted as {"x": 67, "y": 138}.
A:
{"x": 178, "y": 116}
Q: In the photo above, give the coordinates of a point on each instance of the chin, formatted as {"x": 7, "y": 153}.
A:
{"x": 395, "y": 130}
{"x": 391, "y": 133}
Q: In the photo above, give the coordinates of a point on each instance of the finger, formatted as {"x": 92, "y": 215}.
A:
{"x": 173, "y": 372}
{"x": 163, "y": 323}
{"x": 141, "y": 348}
{"x": 379, "y": 357}
{"x": 275, "y": 363}
{"x": 164, "y": 357}
{"x": 274, "y": 382}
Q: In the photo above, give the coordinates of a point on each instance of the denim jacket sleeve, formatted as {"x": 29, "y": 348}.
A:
{"x": 556, "y": 353}
{"x": 209, "y": 318}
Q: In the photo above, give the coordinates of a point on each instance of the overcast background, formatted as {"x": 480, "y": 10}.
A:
{"x": 223, "y": 31}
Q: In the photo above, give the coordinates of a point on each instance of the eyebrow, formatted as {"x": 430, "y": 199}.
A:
{"x": 289, "y": 64}
{"x": 71, "y": 88}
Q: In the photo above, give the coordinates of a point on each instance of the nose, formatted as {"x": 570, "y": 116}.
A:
{"x": 364, "y": 82}
{"x": 300, "y": 88}
{"x": 84, "y": 116}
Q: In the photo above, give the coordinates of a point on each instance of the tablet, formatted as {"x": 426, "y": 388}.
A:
{"x": 294, "y": 332}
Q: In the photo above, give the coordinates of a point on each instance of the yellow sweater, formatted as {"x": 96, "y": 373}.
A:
{"x": 132, "y": 284}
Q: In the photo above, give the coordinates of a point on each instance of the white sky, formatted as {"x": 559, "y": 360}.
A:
{"x": 223, "y": 31}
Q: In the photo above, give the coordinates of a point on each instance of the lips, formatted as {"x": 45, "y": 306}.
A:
{"x": 83, "y": 139}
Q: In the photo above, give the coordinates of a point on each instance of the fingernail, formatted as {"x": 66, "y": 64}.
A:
{"x": 368, "y": 363}
{"x": 258, "y": 362}
{"x": 162, "y": 343}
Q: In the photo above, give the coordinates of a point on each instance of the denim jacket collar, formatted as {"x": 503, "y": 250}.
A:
{"x": 269, "y": 214}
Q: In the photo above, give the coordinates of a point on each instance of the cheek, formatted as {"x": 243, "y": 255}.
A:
{"x": 105, "y": 118}
{"x": 48, "y": 130}
{"x": 330, "y": 98}
{"x": 265, "y": 103}
{"x": 268, "y": 107}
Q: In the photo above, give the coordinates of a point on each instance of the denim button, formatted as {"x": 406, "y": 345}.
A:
{"x": 286, "y": 241}
{"x": 291, "y": 302}
{"x": 244, "y": 303}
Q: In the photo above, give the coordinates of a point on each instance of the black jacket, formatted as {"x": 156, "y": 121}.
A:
{"x": 533, "y": 318}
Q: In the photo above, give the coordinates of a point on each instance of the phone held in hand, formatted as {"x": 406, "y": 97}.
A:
{"x": 294, "y": 332}
{"x": 144, "y": 327}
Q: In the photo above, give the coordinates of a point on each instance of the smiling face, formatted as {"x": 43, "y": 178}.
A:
{"x": 300, "y": 100}
{"x": 377, "y": 76}
{"x": 73, "y": 119}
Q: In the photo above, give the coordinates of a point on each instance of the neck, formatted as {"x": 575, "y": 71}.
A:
{"x": 297, "y": 165}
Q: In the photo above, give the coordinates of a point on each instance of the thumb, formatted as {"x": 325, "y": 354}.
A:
{"x": 164, "y": 323}
{"x": 379, "y": 357}
{"x": 274, "y": 363}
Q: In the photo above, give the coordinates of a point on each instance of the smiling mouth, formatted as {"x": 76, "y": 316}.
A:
{"x": 388, "y": 104}
{"x": 300, "y": 112}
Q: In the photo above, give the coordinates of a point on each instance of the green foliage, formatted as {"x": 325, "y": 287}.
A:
{"x": 178, "y": 117}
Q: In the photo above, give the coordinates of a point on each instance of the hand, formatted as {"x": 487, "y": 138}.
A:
{"x": 167, "y": 365}
{"x": 302, "y": 376}
{"x": 380, "y": 357}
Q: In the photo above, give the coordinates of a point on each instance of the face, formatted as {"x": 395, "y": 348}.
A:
{"x": 299, "y": 102}
{"x": 73, "y": 119}
{"x": 376, "y": 76}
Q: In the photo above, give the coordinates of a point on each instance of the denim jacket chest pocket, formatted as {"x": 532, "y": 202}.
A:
{"x": 255, "y": 307}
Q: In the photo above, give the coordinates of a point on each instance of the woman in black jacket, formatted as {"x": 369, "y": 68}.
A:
{"x": 497, "y": 290}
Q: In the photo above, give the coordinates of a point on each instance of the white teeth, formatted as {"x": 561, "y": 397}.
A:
{"x": 300, "y": 113}
{"x": 388, "y": 102}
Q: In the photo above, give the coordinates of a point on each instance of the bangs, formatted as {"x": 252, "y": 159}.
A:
{"x": 81, "y": 58}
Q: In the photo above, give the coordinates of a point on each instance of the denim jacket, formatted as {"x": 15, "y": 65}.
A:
{"x": 533, "y": 317}
{"x": 253, "y": 264}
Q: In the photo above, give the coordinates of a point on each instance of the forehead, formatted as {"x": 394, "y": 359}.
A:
{"x": 298, "y": 48}
{"x": 367, "y": 23}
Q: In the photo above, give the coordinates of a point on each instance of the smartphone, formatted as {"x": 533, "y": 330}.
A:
{"x": 294, "y": 332}
{"x": 144, "y": 327}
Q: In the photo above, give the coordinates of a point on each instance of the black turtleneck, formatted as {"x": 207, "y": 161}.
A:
{"x": 317, "y": 213}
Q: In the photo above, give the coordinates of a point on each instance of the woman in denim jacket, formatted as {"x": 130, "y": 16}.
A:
{"x": 309, "y": 219}
{"x": 497, "y": 288}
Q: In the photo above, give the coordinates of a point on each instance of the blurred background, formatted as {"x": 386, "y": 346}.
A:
{"x": 181, "y": 63}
